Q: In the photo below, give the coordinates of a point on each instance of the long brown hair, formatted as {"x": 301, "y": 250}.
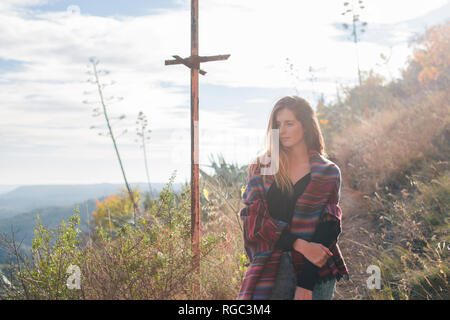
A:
{"x": 312, "y": 135}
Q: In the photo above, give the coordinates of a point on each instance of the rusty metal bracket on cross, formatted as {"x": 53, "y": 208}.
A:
{"x": 193, "y": 62}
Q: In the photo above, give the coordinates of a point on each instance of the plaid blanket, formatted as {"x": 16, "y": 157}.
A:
{"x": 319, "y": 202}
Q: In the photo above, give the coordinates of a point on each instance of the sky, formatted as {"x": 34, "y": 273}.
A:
{"x": 45, "y": 47}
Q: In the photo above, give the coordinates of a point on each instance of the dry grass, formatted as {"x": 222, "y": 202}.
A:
{"x": 395, "y": 165}
{"x": 376, "y": 150}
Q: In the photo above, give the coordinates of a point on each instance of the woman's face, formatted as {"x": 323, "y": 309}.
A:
{"x": 291, "y": 130}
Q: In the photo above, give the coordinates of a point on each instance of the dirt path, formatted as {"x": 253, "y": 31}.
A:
{"x": 355, "y": 244}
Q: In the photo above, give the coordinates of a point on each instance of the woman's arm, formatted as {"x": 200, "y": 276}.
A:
{"x": 331, "y": 212}
{"x": 258, "y": 224}
{"x": 317, "y": 253}
{"x": 260, "y": 230}
{"x": 286, "y": 241}
{"x": 326, "y": 234}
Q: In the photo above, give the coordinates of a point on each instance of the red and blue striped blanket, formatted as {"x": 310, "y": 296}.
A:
{"x": 319, "y": 202}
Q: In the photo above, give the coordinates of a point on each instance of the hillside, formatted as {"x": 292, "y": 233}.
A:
{"x": 23, "y": 224}
{"x": 25, "y": 198}
{"x": 53, "y": 203}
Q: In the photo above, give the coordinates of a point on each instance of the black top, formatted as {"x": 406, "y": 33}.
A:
{"x": 281, "y": 207}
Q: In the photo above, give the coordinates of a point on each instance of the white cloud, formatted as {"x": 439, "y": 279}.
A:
{"x": 256, "y": 101}
{"x": 388, "y": 11}
{"x": 19, "y": 4}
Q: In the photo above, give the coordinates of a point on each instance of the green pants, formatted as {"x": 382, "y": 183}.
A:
{"x": 324, "y": 290}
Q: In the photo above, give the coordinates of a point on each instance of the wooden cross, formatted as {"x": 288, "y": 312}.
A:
{"x": 193, "y": 63}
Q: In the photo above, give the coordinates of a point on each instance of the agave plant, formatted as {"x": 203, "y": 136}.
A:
{"x": 221, "y": 191}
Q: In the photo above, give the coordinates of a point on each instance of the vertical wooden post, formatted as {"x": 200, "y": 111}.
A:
{"x": 195, "y": 199}
{"x": 193, "y": 62}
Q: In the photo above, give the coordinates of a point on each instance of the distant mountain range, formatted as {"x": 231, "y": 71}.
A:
{"x": 23, "y": 224}
{"x": 26, "y": 198}
{"x": 54, "y": 203}
{"x": 7, "y": 188}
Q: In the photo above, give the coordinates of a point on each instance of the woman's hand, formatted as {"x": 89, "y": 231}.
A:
{"x": 316, "y": 253}
{"x": 302, "y": 294}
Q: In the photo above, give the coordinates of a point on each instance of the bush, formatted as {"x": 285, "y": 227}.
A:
{"x": 151, "y": 260}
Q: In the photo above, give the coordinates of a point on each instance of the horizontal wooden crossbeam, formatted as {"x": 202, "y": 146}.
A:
{"x": 194, "y": 61}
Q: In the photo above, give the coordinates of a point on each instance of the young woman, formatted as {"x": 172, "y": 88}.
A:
{"x": 291, "y": 218}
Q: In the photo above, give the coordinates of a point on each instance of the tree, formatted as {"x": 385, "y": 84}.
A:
{"x": 432, "y": 54}
{"x": 115, "y": 211}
